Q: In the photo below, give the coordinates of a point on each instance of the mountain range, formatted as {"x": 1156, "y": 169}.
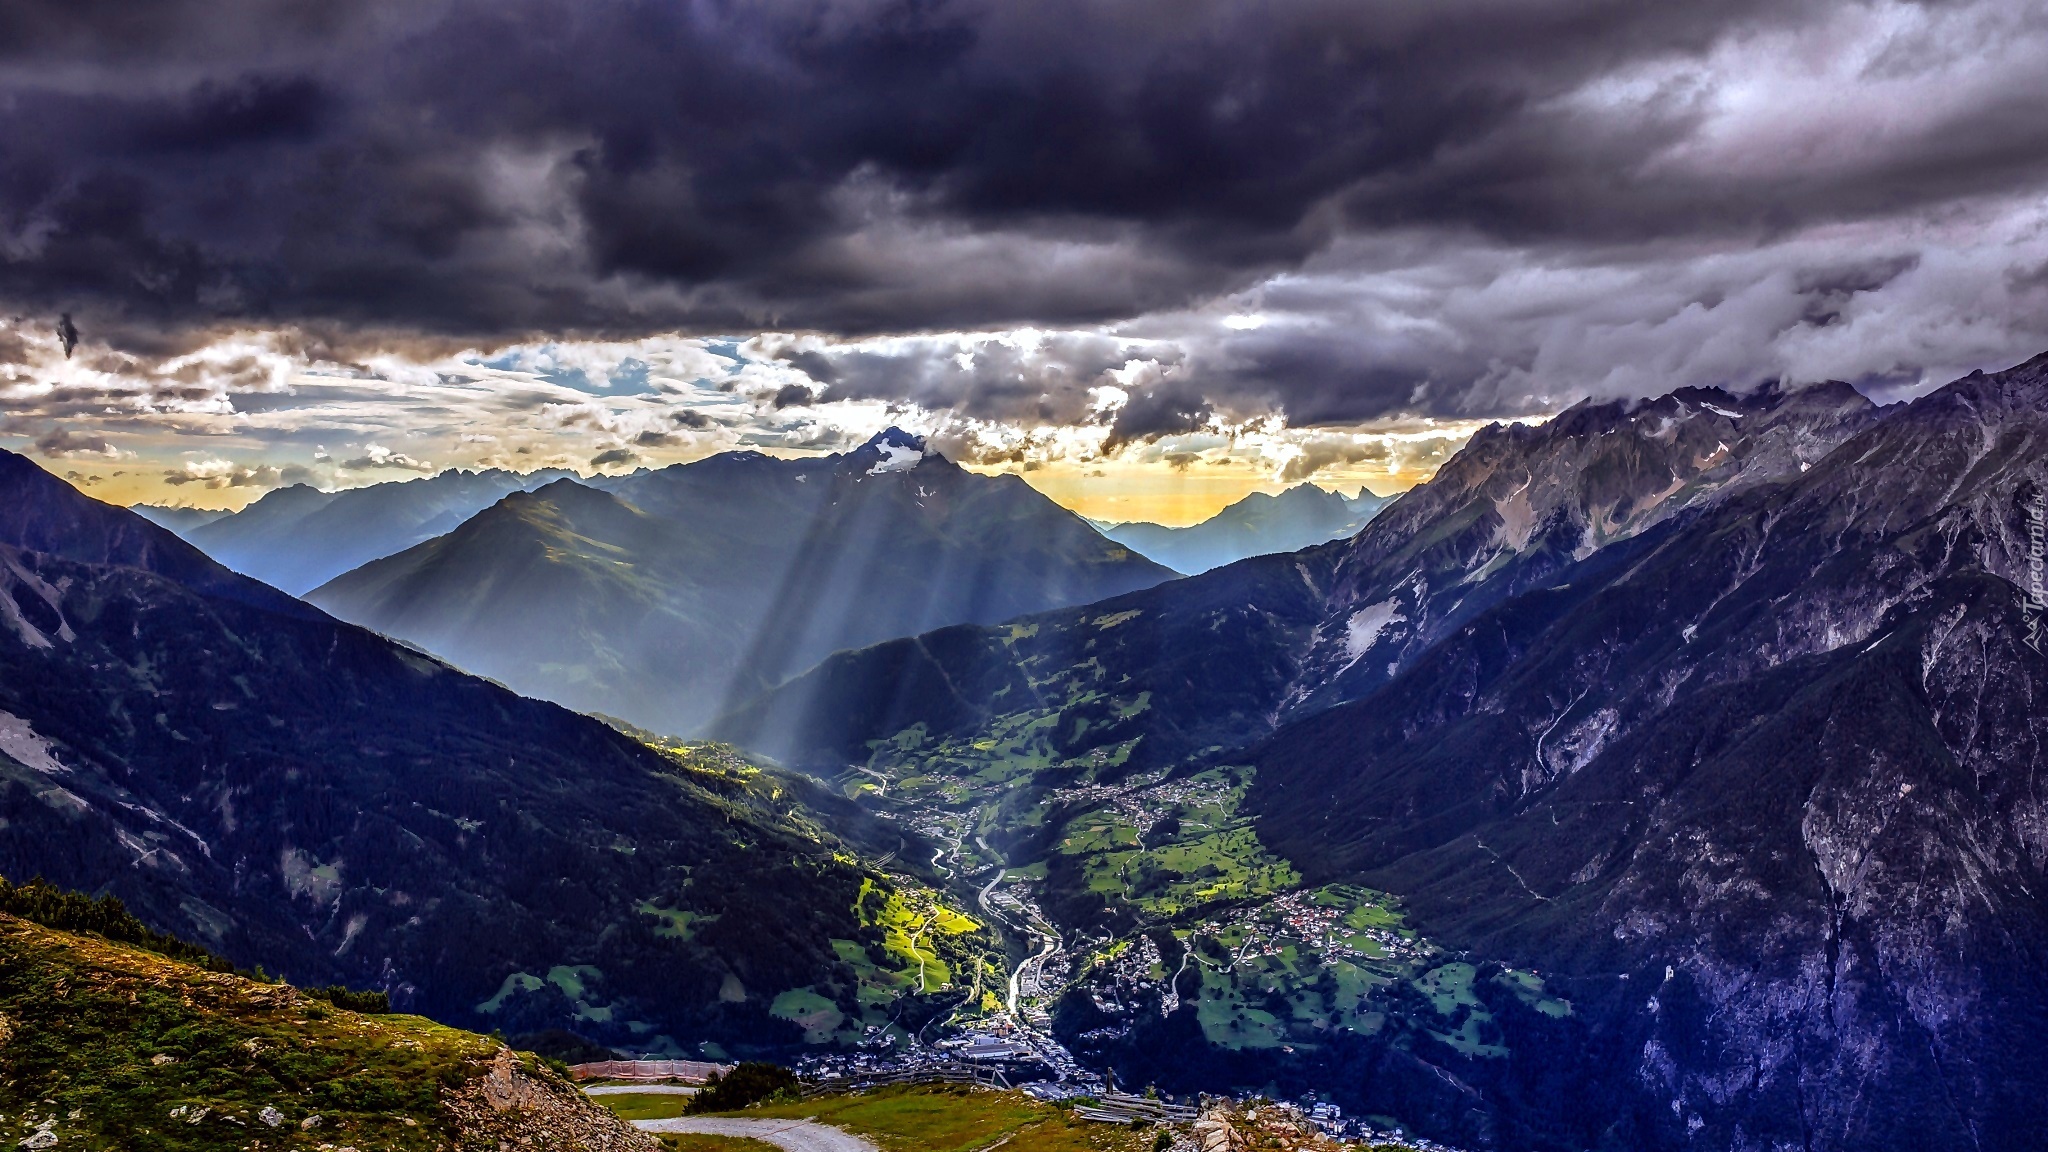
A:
{"x": 178, "y": 519}
{"x": 1258, "y": 525}
{"x": 298, "y": 537}
{"x": 1659, "y": 776}
{"x": 1226, "y": 656}
{"x": 291, "y": 790}
{"x": 682, "y": 590}
{"x": 1718, "y": 710}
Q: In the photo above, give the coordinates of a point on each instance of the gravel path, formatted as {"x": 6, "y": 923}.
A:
{"x": 640, "y": 1090}
{"x": 789, "y": 1135}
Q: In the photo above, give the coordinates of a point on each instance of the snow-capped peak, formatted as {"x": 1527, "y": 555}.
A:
{"x": 900, "y": 451}
{"x": 894, "y": 437}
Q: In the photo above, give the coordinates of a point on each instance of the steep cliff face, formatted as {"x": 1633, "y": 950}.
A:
{"x": 1761, "y": 784}
{"x": 1519, "y": 504}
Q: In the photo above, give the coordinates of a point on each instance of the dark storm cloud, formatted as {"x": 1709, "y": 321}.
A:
{"x": 1044, "y": 379}
{"x": 128, "y": 31}
{"x": 1318, "y": 454}
{"x": 456, "y": 170}
{"x": 1828, "y": 288}
{"x": 1324, "y": 377}
{"x": 614, "y": 165}
{"x": 1160, "y": 410}
{"x": 816, "y": 365}
{"x": 792, "y": 395}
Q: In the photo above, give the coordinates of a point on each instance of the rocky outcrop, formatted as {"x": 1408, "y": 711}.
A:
{"x": 526, "y": 1105}
{"x": 1224, "y": 1128}
{"x": 1264, "y": 1126}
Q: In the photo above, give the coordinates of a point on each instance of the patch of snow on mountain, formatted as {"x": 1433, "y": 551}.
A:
{"x": 896, "y": 458}
{"x": 20, "y": 742}
{"x": 1517, "y": 517}
{"x": 1723, "y": 412}
{"x": 1363, "y": 630}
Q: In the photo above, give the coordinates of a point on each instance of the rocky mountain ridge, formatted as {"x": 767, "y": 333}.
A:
{"x": 299, "y": 537}
{"x": 1776, "y": 760}
{"x": 1519, "y": 502}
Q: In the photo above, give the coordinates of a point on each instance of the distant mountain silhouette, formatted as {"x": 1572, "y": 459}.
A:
{"x": 179, "y": 520}
{"x": 1258, "y": 525}
{"x": 298, "y": 537}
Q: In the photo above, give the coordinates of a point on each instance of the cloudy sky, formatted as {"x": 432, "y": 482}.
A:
{"x": 1152, "y": 254}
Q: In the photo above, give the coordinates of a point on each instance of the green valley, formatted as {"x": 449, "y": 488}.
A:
{"x": 1159, "y": 891}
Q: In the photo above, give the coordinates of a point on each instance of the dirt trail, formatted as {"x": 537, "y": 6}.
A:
{"x": 789, "y": 1135}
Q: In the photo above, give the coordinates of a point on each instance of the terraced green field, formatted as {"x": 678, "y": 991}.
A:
{"x": 927, "y": 947}
{"x": 923, "y": 946}
{"x": 897, "y": 937}
{"x": 1193, "y": 851}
